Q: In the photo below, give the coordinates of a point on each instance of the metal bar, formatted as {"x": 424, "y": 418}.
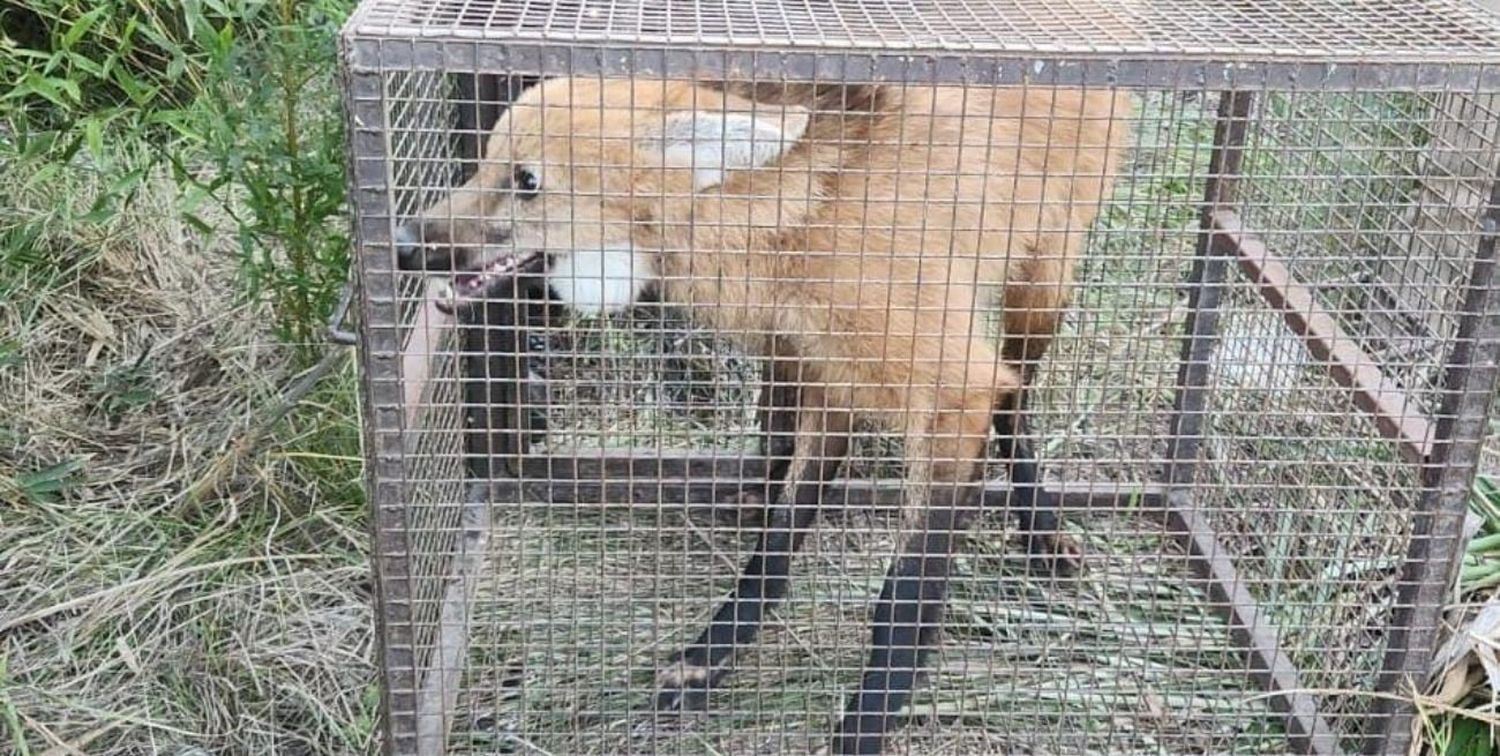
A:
{"x": 1435, "y": 551}
{"x": 338, "y": 325}
{"x": 1207, "y": 279}
{"x": 508, "y": 55}
{"x": 1396, "y": 415}
{"x": 1250, "y": 628}
{"x": 650, "y": 477}
{"x": 369, "y": 193}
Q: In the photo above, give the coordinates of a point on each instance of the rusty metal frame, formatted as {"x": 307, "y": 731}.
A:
{"x": 1396, "y": 415}
{"x": 376, "y": 302}
{"x": 499, "y": 335}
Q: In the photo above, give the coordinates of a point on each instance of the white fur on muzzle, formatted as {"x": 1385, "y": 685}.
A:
{"x": 595, "y": 282}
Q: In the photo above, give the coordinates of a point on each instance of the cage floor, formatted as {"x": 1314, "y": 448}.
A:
{"x": 577, "y": 606}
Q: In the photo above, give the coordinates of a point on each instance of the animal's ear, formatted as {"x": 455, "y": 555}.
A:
{"x": 712, "y": 143}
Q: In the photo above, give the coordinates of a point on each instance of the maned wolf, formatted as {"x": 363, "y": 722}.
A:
{"x": 858, "y": 247}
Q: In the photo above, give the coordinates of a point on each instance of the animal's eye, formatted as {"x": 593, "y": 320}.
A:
{"x": 525, "y": 183}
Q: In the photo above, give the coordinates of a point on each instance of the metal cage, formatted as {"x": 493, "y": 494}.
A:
{"x": 1259, "y": 416}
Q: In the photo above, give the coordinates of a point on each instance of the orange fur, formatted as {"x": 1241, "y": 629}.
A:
{"x": 869, "y": 251}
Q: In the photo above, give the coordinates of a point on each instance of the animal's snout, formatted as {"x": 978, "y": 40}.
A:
{"x": 432, "y": 247}
{"x": 408, "y": 244}
{"x": 423, "y": 247}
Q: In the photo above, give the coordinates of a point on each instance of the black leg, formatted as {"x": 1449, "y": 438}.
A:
{"x": 908, "y": 617}
{"x": 763, "y": 581}
{"x": 1050, "y": 548}
{"x": 778, "y": 424}
{"x": 909, "y": 613}
{"x": 686, "y": 682}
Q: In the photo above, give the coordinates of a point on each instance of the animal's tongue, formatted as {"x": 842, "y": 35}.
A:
{"x": 466, "y": 280}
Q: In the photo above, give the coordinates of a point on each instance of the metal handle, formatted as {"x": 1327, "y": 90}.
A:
{"x": 338, "y": 331}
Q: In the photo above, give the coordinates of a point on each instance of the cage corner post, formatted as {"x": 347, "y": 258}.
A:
{"x": 380, "y": 384}
{"x": 1427, "y": 573}
{"x": 1250, "y": 627}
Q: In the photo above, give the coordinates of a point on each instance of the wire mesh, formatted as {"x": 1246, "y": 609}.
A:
{"x": 1440, "y": 30}
{"x": 1255, "y": 413}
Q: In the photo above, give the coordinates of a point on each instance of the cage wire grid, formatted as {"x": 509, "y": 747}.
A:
{"x": 1258, "y": 417}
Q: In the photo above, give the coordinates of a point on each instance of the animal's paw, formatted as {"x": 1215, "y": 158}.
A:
{"x": 683, "y": 686}
{"x": 1056, "y": 553}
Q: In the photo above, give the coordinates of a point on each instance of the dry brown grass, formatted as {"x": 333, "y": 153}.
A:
{"x": 135, "y": 618}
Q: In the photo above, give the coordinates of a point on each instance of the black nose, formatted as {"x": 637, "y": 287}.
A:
{"x": 408, "y": 242}
{"x": 424, "y": 247}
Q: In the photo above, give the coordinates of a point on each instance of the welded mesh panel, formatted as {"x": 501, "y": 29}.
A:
{"x": 611, "y": 381}
{"x": 1386, "y": 260}
{"x": 1314, "y": 501}
{"x": 1446, "y": 30}
{"x": 1104, "y": 394}
{"x": 1314, "y": 505}
{"x": 1273, "y": 484}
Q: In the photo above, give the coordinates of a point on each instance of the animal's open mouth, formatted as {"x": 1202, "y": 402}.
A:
{"x": 469, "y": 285}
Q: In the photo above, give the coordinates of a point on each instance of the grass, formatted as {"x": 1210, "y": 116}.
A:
{"x": 1463, "y": 681}
{"x": 1026, "y": 660}
{"x": 136, "y": 617}
{"x": 185, "y": 567}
